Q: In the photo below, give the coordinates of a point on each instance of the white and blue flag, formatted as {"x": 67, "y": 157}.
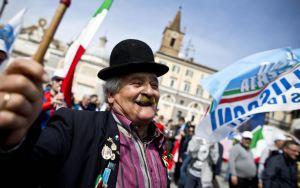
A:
{"x": 10, "y": 30}
{"x": 263, "y": 82}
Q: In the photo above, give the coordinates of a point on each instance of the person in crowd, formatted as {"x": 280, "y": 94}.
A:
{"x": 180, "y": 132}
{"x": 183, "y": 154}
{"x": 53, "y": 98}
{"x": 170, "y": 134}
{"x": 94, "y": 104}
{"x": 217, "y": 168}
{"x": 203, "y": 155}
{"x": 160, "y": 123}
{"x": 117, "y": 148}
{"x": 207, "y": 168}
{"x": 160, "y": 119}
{"x": 181, "y": 126}
{"x": 281, "y": 169}
{"x": 84, "y": 103}
{"x": 169, "y": 124}
{"x": 241, "y": 164}
{"x": 269, "y": 152}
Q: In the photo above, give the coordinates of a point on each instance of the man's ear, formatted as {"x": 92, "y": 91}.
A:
{"x": 110, "y": 98}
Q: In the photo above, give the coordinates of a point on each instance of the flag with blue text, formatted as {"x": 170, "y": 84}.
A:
{"x": 263, "y": 82}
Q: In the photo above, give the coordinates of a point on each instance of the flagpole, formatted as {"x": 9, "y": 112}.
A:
{"x": 5, "y": 2}
{"x": 48, "y": 36}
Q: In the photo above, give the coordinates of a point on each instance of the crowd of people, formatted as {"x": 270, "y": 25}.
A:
{"x": 53, "y": 98}
{"x": 277, "y": 165}
{"x": 198, "y": 163}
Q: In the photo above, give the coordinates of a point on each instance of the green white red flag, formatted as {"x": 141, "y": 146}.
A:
{"x": 79, "y": 46}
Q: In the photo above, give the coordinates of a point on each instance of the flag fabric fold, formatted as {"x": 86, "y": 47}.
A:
{"x": 78, "y": 47}
{"x": 266, "y": 81}
{"x": 10, "y": 30}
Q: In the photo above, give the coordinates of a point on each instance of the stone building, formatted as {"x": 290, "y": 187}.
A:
{"x": 95, "y": 58}
{"x": 181, "y": 93}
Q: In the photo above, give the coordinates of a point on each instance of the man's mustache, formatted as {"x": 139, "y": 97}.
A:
{"x": 147, "y": 100}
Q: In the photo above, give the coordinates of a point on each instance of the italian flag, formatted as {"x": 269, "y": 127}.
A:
{"x": 78, "y": 48}
{"x": 256, "y": 146}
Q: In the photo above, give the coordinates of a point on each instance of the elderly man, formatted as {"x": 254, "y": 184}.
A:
{"x": 117, "y": 148}
{"x": 241, "y": 164}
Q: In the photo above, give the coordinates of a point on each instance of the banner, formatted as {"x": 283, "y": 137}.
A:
{"x": 263, "y": 82}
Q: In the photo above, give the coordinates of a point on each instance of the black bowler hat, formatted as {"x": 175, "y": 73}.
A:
{"x": 131, "y": 56}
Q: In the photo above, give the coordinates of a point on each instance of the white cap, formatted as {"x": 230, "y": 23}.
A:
{"x": 247, "y": 134}
{"x": 279, "y": 137}
{"x": 60, "y": 73}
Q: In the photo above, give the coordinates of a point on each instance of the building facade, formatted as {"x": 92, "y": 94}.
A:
{"x": 85, "y": 78}
{"x": 181, "y": 92}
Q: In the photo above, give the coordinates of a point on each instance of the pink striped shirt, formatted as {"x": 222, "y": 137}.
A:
{"x": 140, "y": 163}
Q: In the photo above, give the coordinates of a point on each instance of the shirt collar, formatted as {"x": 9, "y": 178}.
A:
{"x": 153, "y": 132}
{"x": 125, "y": 122}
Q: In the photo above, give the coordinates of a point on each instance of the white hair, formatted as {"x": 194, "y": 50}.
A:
{"x": 111, "y": 86}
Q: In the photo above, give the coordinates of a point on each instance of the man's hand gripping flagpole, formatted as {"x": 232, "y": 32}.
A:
{"x": 21, "y": 89}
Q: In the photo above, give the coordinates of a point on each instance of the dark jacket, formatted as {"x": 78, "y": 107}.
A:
{"x": 280, "y": 172}
{"x": 65, "y": 154}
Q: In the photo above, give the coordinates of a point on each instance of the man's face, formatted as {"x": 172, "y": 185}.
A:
{"x": 137, "y": 98}
{"x": 246, "y": 142}
{"x": 86, "y": 100}
{"x": 56, "y": 84}
{"x": 180, "y": 122}
{"x": 94, "y": 100}
{"x": 292, "y": 151}
{"x": 191, "y": 131}
{"x": 279, "y": 144}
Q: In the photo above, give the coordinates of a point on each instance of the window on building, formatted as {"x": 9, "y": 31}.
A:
{"x": 88, "y": 70}
{"x": 179, "y": 113}
{"x": 181, "y": 102}
{"x": 189, "y": 73}
{"x": 53, "y": 61}
{"x": 172, "y": 82}
{"x": 199, "y": 91}
{"x": 162, "y": 62}
{"x": 160, "y": 79}
{"x": 176, "y": 69}
{"x": 172, "y": 42}
{"x": 187, "y": 87}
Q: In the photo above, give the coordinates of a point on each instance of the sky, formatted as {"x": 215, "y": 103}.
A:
{"x": 221, "y": 31}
